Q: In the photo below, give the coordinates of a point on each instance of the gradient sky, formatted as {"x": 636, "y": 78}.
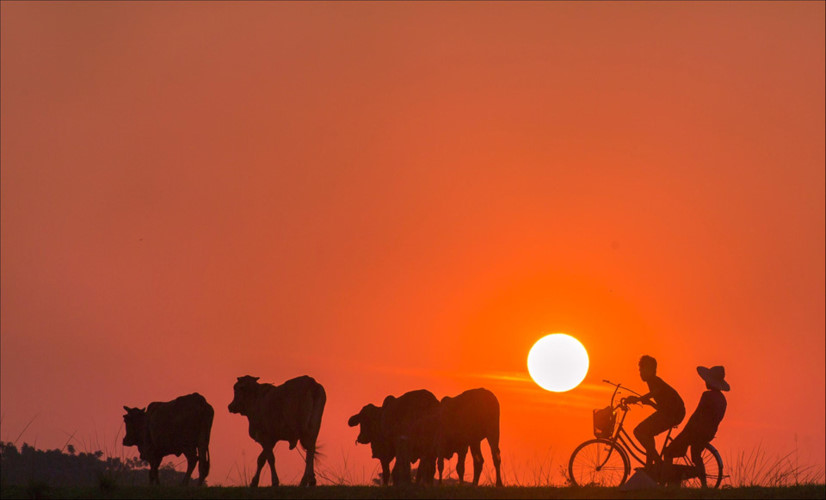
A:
{"x": 392, "y": 196}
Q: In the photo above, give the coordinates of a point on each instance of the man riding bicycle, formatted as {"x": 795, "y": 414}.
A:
{"x": 670, "y": 411}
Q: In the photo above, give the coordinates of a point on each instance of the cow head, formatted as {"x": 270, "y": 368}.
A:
{"x": 244, "y": 390}
{"x": 135, "y": 420}
{"x": 369, "y": 418}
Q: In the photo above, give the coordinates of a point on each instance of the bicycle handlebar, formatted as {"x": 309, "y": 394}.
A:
{"x": 620, "y": 386}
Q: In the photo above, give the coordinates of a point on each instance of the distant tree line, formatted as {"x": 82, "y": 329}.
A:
{"x": 54, "y": 468}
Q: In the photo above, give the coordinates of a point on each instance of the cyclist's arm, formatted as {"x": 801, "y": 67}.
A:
{"x": 644, "y": 399}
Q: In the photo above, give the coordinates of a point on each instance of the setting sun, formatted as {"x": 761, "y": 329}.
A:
{"x": 558, "y": 362}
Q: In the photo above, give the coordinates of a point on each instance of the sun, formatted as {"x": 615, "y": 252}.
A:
{"x": 558, "y": 362}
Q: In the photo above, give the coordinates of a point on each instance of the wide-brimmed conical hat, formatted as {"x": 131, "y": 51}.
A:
{"x": 714, "y": 377}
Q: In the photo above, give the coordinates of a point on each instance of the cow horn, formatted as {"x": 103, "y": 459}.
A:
{"x": 126, "y": 408}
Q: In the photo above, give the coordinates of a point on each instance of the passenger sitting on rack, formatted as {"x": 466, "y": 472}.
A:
{"x": 670, "y": 411}
{"x": 701, "y": 426}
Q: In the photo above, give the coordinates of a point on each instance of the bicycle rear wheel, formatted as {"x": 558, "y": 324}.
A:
{"x": 713, "y": 465}
{"x": 598, "y": 462}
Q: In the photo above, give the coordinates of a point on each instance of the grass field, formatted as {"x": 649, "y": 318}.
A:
{"x": 346, "y": 492}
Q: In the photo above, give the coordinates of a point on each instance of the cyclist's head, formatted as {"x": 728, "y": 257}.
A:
{"x": 648, "y": 367}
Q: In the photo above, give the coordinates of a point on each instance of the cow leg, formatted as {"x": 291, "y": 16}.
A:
{"x": 309, "y": 434}
{"x": 271, "y": 462}
{"x": 493, "y": 441}
{"x": 309, "y": 473}
{"x": 401, "y": 470}
{"x": 191, "y": 460}
{"x": 400, "y": 474}
{"x": 441, "y": 465}
{"x": 262, "y": 459}
{"x": 394, "y": 474}
{"x": 203, "y": 464}
{"x": 154, "y": 465}
{"x": 385, "y": 472}
{"x": 427, "y": 467}
{"x": 478, "y": 460}
{"x": 425, "y": 471}
{"x": 460, "y": 465}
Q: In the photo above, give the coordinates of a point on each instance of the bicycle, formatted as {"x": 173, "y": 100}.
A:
{"x": 605, "y": 461}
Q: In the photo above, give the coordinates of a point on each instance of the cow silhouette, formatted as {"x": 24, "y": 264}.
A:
{"x": 288, "y": 412}
{"x": 464, "y": 421}
{"x": 172, "y": 428}
{"x": 388, "y": 430}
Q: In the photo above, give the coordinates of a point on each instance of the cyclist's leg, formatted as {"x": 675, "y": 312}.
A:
{"x": 656, "y": 423}
{"x": 645, "y": 435}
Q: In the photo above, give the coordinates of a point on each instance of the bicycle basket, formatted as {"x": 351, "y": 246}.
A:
{"x": 604, "y": 421}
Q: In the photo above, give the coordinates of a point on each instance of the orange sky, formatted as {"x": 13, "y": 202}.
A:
{"x": 391, "y": 196}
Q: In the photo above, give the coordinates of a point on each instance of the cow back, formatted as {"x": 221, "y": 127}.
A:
{"x": 285, "y": 412}
{"x": 399, "y": 414}
{"x": 178, "y": 425}
{"x": 469, "y": 417}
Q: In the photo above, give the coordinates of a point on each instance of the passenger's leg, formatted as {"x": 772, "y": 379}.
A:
{"x": 697, "y": 458}
{"x": 677, "y": 448}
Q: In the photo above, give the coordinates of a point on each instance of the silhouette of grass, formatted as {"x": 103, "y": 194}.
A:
{"x": 759, "y": 468}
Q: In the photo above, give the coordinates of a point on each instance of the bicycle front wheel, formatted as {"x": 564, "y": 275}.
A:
{"x": 598, "y": 462}
{"x": 712, "y": 464}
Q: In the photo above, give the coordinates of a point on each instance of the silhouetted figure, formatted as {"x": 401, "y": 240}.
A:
{"x": 464, "y": 421}
{"x": 388, "y": 429}
{"x": 171, "y": 428}
{"x": 288, "y": 412}
{"x": 702, "y": 425}
{"x": 668, "y": 403}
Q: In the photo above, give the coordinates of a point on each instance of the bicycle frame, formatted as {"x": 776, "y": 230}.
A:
{"x": 630, "y": 445}
{"x": 621, "y": 438}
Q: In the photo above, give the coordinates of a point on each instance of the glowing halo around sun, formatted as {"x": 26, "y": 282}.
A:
{"x": 558, "y": 362}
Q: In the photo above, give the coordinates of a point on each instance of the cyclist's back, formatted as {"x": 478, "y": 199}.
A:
{"x": 666, "y": 398}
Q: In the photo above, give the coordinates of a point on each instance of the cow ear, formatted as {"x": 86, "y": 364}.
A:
{"x": 126, "y": 408}
{"x": 354, "y": 420}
